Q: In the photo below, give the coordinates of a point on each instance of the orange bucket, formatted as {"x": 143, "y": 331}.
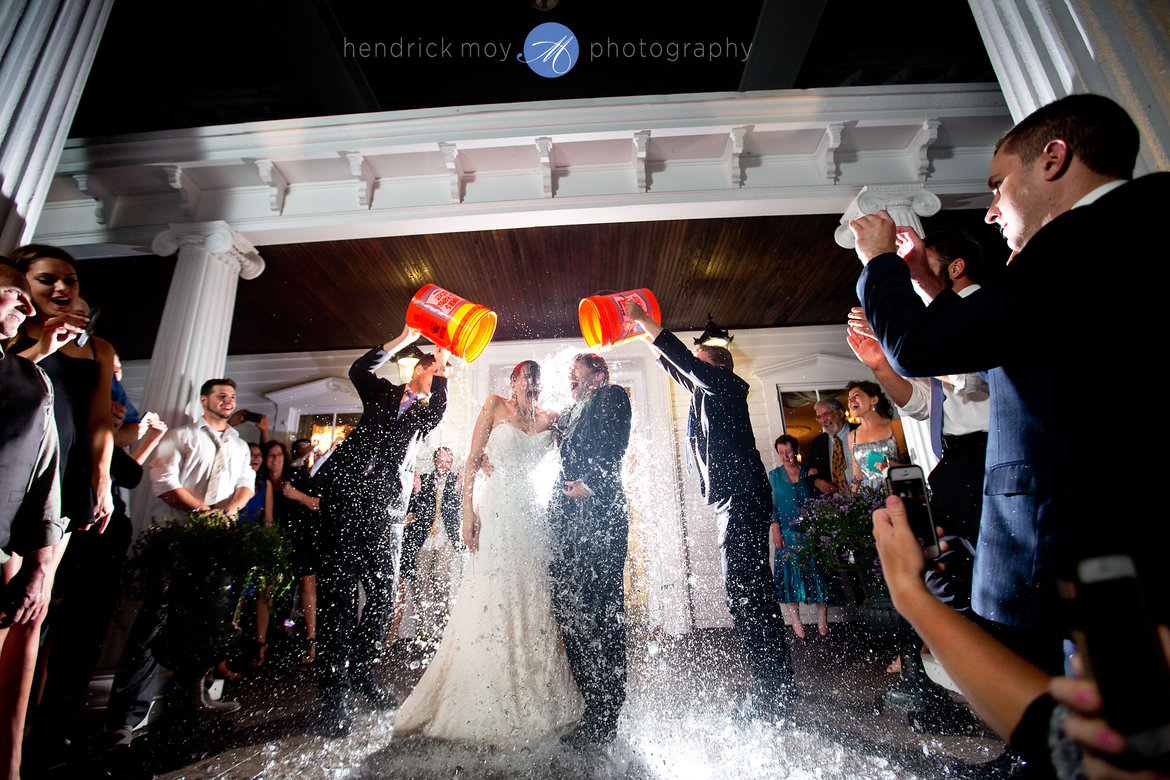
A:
{"x": 452, "y": 322}
{"x": 603, "y": 318}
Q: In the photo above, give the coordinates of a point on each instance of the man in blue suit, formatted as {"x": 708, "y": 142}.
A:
{"x": 1060, "y": 314}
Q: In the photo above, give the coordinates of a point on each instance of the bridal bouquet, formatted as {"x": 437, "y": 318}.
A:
{"x": 838, "y": 531}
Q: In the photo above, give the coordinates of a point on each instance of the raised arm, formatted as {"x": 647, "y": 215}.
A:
{"x": 475, "y": 456}
{"x": 101, "y": 435}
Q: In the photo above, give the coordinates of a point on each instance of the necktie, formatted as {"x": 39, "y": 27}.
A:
{"x": 219, "y": 486}
{"x": 838, "y": 463}
{"x": 407, "y": 399}
{"x": 936, "y": 417}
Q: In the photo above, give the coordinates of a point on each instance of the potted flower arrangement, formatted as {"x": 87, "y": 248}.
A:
{"x": 201, "y": 570}
{"x": 838, "y": 531}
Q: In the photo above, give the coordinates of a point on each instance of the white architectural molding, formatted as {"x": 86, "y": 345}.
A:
{"x": 544, "y": 146}
{"x": 905, "y": 203}
{"x": 813, "y": 372}
{"x": 277, "y": 184}
{"x": 360, "y": 169}
{"x": 189, "y": 194}
{"x": 46, "y": 52}
{"x": 1045, "y": 50}
{"x": 91, "y": 185}
{"x": 826, "y": 154}
{"x": 919, "y": 148}
{"x": 734, "y": 152}
{"x": 329, "y": 394}
{"x": 471, "y": 167}
{"x": 641, "y": 142}
{"x": 454, "y": 170}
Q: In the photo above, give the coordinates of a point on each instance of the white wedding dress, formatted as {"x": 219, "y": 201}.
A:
{"x": 500, "y": 675}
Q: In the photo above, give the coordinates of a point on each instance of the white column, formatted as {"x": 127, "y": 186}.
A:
{"x": 905, "y": 203}
{"x": 1042, "y": 51}
{"x": 46, "y": 49}
{"x": 191, "y": 345}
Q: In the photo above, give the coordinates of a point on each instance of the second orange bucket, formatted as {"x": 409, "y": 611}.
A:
{"x": 603, "y": 317}
{"x": 452, "y": 322}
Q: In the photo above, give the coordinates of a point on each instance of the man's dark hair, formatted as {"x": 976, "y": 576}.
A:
{"x": 874, "y": 390}
{"x": 1098, "y": 132}
{"x": 24, "y": 256}
{"x": 435, "y": 456}
{"x": 595, "y": 363}
{"x": 955, "y": 244}
{"x": 210, "y": 383}
{"x": 832, "y": 403}
{"x": 425, "y": 361}
{"x": 791, "y": 441}
{"x": 720, "y": 356}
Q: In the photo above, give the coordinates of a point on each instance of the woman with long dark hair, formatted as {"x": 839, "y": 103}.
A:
{"x": 877, "y": 443}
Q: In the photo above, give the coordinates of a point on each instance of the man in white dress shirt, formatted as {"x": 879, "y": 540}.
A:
{"x": 957, "y": 406}
{"x": 204, "y": 465}
{"x": 198, "y": 467}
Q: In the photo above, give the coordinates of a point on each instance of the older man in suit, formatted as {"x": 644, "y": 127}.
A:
{"x": 830, "y": 461}
{"x": 362, "y": 488}
{"x": 590, "y": 525}
{"x": 1063, "y": 199}
{"x": 733, "y": 479}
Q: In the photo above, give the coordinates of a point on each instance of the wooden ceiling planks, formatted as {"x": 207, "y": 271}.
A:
{"x": 747, "y": 272}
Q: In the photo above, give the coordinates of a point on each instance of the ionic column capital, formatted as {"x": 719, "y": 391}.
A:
{"x": 217, "y": 239}
{"x": 905, "y": 203}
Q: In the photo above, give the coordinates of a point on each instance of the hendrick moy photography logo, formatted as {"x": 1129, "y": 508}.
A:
{"x": 550, "y": 50}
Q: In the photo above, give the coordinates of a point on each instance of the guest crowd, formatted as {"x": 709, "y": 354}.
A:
{"x": 1000, "y": 369}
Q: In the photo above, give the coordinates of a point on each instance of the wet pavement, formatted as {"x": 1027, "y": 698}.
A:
{"x": 681, "y": 720}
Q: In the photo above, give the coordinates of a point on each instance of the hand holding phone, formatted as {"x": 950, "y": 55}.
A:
{"x": 909, "y": 484}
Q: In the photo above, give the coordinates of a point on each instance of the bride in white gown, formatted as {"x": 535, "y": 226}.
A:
{"x": 500, "y": 675}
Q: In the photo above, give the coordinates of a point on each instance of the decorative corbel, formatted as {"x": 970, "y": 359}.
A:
{"x": 91, "y": 186}
{"x": 826, "y": 153}
{"x": 454, "y": 170}
{"x": 734, "y": 153}
{"x": 277, "y": 185}
{"x": 641, "y": 141}
{"x": 920, "y": 146}
{"x": 188, "y": 193}
{"x": 360, "y": 169}
{"x": 544, "y": 146}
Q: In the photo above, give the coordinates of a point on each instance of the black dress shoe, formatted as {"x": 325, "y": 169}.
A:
{"x": 375, "y": 694}
{"x": 334, "y": 721}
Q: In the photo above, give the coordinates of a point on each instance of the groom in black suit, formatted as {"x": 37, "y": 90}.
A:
{"x": 590, "y": 524}
{"x": 363, "y": 488}
{"x": 733, "y": 480}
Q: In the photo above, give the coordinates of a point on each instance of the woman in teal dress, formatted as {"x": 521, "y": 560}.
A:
{"x": 797, "y": 580}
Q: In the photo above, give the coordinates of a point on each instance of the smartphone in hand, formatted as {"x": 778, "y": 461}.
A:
{"x": 1119, "y": 645}
{"x": 909, "y": 484}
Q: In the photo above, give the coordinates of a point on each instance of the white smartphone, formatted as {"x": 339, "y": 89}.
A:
{"x": 909, "y": 484}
